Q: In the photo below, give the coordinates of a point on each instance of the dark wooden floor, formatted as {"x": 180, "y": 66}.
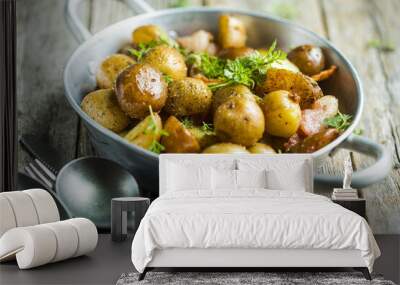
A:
{"x": 110, "y": 260}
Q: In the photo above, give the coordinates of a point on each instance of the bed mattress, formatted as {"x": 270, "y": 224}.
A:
{"x": 250, "y": 219}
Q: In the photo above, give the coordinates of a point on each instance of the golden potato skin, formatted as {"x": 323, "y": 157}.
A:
{"x": 261, "y": 148}
{"x": 142, "y": 135}
{"x": 188, "y": 96}
{"x": 232, "y": 32}
{"x": 168, "y": 60}
{"x": 308, "y": 58}
{"x": 224, "y": 94}
{"x": 139, "y": 87}
{"x": 282, "y": 113}
{"x": 232, "y": 53}
{"x": 102, "y": 106}
{"x": 229, "y": 148}
{"x": 179, "y": 139}
{"x": 295, "y": 82}
{"x": 110, "y": 68}
{"x": 239, "y": 121}
{"x": 146, "y": 34}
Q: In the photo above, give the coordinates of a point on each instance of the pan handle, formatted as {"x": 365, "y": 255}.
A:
{"x": 369, "y": 175}
{"x": 80, "y": 31}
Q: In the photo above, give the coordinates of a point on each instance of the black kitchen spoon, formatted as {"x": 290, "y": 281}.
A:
{"x": 85, "y": 185}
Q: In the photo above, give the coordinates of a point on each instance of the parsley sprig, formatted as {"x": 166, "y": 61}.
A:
{"x": 153, "y": 128}
{"x": 340, "y": 122}
{"x": 247, "y": 70}
{"x": 143, "y": 48}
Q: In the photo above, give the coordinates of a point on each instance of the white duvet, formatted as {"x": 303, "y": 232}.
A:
{"x": 250, "y": 219}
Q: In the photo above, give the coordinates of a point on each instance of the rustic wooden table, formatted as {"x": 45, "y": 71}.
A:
{"x": 44, "y": 45}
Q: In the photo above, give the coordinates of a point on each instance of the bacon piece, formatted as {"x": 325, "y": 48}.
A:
{"x": 325, "y": 74}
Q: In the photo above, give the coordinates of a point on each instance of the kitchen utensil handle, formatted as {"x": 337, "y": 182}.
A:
{"x": 140, "y": 6}
{"x": 369, "y": 175}
{"x": 80, "y": 31}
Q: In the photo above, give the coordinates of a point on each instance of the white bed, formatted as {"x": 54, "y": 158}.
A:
{"x": 247, "y": 226}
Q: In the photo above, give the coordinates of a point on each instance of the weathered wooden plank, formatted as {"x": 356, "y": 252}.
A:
{"x": 292, "y": 9}
{"x": 351, "y": 36}
{"x": 44, "y": 44}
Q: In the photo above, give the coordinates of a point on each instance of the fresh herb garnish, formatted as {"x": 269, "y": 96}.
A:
{"x": 247, "y": 70}
{"x": 339, "y": 122}
{"x": 153, "y": 128}
{"x": 207, "y": 129}
{"x": 156, "y": 147}
{"x": 384, "y": 46}
{"x": 187, "y": 122}
{"x": 167, "y": 78}
{"x": 143, "y": 49}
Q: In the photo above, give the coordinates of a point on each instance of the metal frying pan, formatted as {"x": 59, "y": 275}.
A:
{"x": 79, "y": 79}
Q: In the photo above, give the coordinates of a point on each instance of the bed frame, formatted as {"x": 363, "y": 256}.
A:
{"x": 242, "y": 258}
{"x": 256, "y": 258}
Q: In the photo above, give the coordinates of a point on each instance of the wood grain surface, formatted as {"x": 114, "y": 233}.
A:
{"x": 45, "y": 43}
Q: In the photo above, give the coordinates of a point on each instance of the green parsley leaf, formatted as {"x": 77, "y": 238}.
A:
{"x": 156, "y": 147}
{"x": 187, "y": 122}
{"x": 167, "y": 78}
{"x": 143, "y": 49}
{"x": 340, "y": 122}
{"x": 247, "y": 70}
{"x": 384, "y": 46}
{"x": 207, "y": 129}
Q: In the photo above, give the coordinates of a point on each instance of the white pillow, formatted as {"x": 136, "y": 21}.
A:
{"x": 294, "y": 180}
{"x": 224, "y": 179}
{"x": 251, "y": 179}
{"x": 182, "y": 177}
{"x": 284, "y": 172}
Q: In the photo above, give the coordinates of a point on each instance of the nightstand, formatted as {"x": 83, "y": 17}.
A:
{"x": 355, "y": 205}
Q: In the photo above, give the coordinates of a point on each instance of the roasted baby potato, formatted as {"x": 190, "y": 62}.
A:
{"x": 315, "y": 142}
{"x": 110, "y": 68}
{"x": 295, "y": 82}
{"x": 285, "y": 64}
{"x": 312, "y": 120}
{"x": 261, "y": 148}
{"x": 282, "y": 113}
{"x": 226, "y": 148}
{"x": 179, "y": 139}
{"x": 147, "y": 33}
{"x": 232, "y": 32}
{"x": 188, "y": 96}
{"x": 232, "y": 53}
{"x": 308, "y": 58}
{"x": 240, "y": 121}
{"x": 224, "y": 94}
{"x": 139, "y": 87}
{"x": 102, "y": 106}
{"x": 168, "y": 60}
{"x": 146, "y": 132}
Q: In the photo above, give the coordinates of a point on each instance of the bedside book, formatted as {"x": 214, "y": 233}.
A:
{"x": 344, "y": 194}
